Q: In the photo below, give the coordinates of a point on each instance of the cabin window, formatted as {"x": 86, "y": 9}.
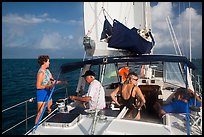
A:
{"x": 173, "y": 74}
{"x": 110, "y": 75}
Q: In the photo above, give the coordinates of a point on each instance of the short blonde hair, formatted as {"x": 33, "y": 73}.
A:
{"x": 131, "y": 75}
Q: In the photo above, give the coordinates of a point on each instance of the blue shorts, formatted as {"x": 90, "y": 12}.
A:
{"x": 43, "y": 95}
{"x": 192, "y": 102}
{"x": 177, "y": 106}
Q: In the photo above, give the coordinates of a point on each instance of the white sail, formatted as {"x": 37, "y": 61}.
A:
{"x": 130, "y": 14}
{"x": 143, "y": 18}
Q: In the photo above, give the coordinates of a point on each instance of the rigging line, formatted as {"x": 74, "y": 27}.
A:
{"x": 108, "y": 14}
{"x": 36, "y": 126}
{"x": 180, "y": 29}
{"x": 174, "y": 35}
{"x": 90, "y": 30}
{"x": 171, "y": 35}
{"x": 185, "y": 33}
{"x": 103, "y": 12}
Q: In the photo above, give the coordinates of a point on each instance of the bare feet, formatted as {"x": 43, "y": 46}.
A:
{"x": 49, "y": 111}
{"x": 138, "y": 116}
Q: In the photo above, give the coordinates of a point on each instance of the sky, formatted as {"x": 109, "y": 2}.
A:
{"x": 30, "y": 29}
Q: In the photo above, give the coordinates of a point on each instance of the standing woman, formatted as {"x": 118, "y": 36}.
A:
{"x": 129, "y": 91}
{"x": 44, "y": 84}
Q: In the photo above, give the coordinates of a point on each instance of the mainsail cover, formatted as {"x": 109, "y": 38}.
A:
{"x": 131, "y": 14}
{"x": 129, "y": 39}
{"x": 107, "y": 30}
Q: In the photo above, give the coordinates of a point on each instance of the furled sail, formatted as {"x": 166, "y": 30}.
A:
{"x": 100, "y": 14}
{"x": 130, "y": 39}
{"x": 107, "y": 31}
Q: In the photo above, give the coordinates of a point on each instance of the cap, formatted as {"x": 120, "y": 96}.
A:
{"x": 88, "y": 73}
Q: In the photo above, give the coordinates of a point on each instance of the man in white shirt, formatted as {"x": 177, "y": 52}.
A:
{"x": 95, "y": 95}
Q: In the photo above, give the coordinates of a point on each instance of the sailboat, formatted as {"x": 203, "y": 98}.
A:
{"x": 116, "y": 35}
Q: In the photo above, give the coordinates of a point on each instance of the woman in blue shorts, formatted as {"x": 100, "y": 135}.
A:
{"x": 44, "y": 84}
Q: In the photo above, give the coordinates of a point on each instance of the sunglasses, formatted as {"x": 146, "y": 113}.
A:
{"x": 135, "y": 79}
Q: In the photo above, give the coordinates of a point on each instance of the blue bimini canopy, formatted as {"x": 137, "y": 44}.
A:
{"x": 129, "y": 39}
{"x": 140, "y": 59}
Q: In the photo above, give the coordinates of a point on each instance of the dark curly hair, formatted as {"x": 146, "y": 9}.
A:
{"x": 42, "y": 59}
{"x": 181, "y": 92}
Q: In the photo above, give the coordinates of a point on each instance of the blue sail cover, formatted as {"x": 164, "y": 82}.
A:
{"x": 107, "y": 30}
{"x": 129, "y": 39}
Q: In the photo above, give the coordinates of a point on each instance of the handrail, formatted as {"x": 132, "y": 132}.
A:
{"x": 27, "y": 118}
{"x": 197, "y": 84}
{"x": 29, "y": 100}
{"x": 17, "y": 124}
{"x": 41, "y": 121}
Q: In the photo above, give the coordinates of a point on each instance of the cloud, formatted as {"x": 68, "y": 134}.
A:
{"x": 196, "y": 24}
{"x": 180, "y": 23}
{"x": 159, "y": 16}
{"x": 16, "y": 29}
{"x": 75, "y": 22}
{"x": 27, "y": 19}
{"x": 54, "y": 41}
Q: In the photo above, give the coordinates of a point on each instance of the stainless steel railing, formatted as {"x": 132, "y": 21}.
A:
{"x": 31, "y": 100}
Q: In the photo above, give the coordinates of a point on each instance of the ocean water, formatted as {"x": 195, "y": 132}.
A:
{"x": 18, "y": 85}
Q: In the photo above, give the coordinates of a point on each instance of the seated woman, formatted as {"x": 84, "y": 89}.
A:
{"x": 179, "y": 105}
{"x": 129, "y": 90}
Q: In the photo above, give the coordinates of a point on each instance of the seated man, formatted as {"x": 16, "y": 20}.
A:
{"x": 179, "y": 105}
{"x": 95, "y": 95}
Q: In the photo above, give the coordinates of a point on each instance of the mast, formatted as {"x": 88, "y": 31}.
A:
{"x": 142, "y": 15}
{"x": 147, "y": 15}
{"x": 190, "y": 31}
{"x": 190, "y": 38}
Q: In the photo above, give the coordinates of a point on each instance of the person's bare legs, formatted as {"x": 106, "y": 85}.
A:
{"x": 40, "y": 106}
{"x": 129, "y": 114}
{"x": 162, "y": 112}
{"x": 158, "y": 109}
{"x": 49, "y": 106}
{"x": 138, "y": 116}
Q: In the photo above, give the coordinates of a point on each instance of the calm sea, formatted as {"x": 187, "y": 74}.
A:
{"x": 19, "y": 77}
